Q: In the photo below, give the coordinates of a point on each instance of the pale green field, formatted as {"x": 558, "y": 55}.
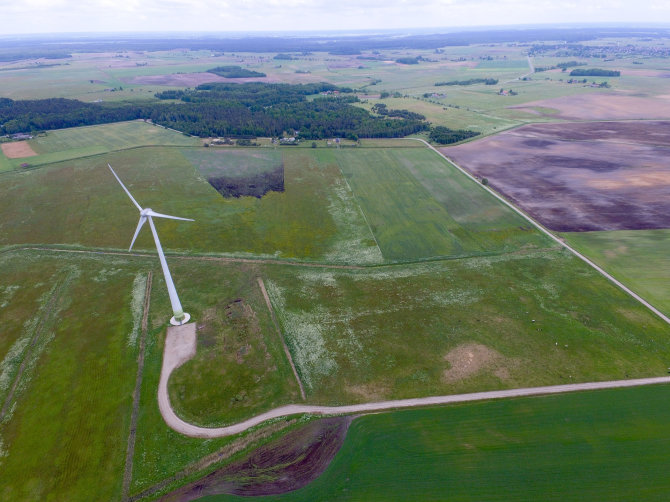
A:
{"x": 77, "y": 142}
{"x": 638, "y": 258}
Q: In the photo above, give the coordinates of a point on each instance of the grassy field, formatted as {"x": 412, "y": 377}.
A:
{"x": 240, "y": 368}
{"x": 638, "y": 258}
{"x": 409, "y": 202}
{"x": 604, "y": 445}
{"x": 315, "y": 217}
{"x": 68, "y": 144}
{"x": 418, "y": 206}
{"x": 74, "y": 320}
{"x": 523, "y": 319}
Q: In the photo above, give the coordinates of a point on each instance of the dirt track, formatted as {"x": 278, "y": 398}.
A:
{"x": 180, "y": 346}
{"x": 579, "y": 176}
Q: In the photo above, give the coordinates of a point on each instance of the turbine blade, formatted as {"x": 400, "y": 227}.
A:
{"x": 151, "y": 212}
{"x": 139, "y": 227}
{"x": 124, "y": 187}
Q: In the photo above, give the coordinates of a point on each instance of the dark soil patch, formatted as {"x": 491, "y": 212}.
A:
{"x": 283, "y": 465}
{"x": 254, "y": 185}
{"x": 579, "y": 176}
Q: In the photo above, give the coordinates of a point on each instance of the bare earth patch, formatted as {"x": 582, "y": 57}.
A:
{"x": 471, "y": 358}
{"x": 584, "y": 176}
{"x": 17, "y": 150}
{"x": 283, "y": 465}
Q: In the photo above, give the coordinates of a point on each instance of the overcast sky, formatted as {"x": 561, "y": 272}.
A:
{"x": 57, "y": 16}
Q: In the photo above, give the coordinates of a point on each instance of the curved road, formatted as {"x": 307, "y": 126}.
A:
{"x": 180, "y": 346}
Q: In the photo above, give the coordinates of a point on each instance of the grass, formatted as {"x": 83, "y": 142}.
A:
{"x": 66, "y": 437}
{"x": 638, "y": 258}
{"x": 67, "y": 144}
{"x": 419, "y": 206}
{"x": 315, "y": 218}
{"x": 603, "y": 445}
{"x": 542, "y": 316}
{"x": 240, "y": 368}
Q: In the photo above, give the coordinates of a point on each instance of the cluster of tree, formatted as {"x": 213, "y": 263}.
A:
{"x": 444, "y": 135}
{"x": 594, "y": 72}
{"x": 408, "y": 60}
{"x": 472, "y": 81}
{"x": 285, "y": 57}
{"x": 234, "y": 72}
{"x": 221, "y": 109}
{"x": 381, "y": 109}
{"x": 562, "y": 66}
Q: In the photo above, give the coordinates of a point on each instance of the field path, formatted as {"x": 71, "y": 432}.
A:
{"x": 180, "y": 346}
{"x": 551, "y": 235}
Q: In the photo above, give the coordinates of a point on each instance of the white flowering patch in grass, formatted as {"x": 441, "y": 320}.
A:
{"x": 137, "y": 306}
{"x": 104, "y": 273}
{"x": 41, "y": 326}
{"x": 304, "y": 336}
{"x": 455, "y": 297}
{"x": 14, "y": 356}
{"x": 7, "y": 293}
{"x": 359, "y": 246}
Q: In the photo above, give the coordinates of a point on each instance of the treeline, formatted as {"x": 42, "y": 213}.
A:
{"x": 472, "y": 81}
{"x": 445, "y": 136}
{"x": 381, "y": 109}
{"x": 239, "y": 110}
{"x": 563, "y": 66}
{"x": 234, "y": 72}
{"x": 594, "y": 72}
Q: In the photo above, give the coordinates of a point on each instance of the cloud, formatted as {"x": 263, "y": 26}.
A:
{"x": 277, "y": 15}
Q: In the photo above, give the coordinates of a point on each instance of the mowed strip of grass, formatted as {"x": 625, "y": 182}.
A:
{"x": 638, "y": 258}
{"x": 600, "y": 445}
{"x": 419, "y": 206}
{"x": 315, "y": 218}
{"x": 485, "y": 323}
{"x": 65, "y": 436}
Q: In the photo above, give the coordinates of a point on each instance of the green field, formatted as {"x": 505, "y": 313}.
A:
{"x": 353, "y": 206}
{"x": 604, "y": 445}
{"x": 67, "y": 144}
{"x": 531, "y": 318}
{"x": 419, "y": 206}
{"x": 638, "y": 258}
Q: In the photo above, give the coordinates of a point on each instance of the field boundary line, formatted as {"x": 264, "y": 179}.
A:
{"x": 281, "y": 336}
{"x": 130, "y": 450}
{"x": 552, "y": 236}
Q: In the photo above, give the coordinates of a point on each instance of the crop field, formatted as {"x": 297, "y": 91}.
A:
{"x": 595, "y": 445}
{"x": 316, "y": 217}
{"x": 579, "y": 176}
{"x": 77, "y": 142}
{"x": 418, "y": 206}
{"x": 638, "y": 258}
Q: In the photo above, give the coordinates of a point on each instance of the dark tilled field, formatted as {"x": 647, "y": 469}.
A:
{"x": 579, "y": 176}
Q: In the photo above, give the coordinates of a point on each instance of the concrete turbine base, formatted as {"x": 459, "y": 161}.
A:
{"x": 175, "y": 322}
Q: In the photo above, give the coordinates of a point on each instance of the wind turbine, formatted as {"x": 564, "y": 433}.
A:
{"x": 180, "y": 317}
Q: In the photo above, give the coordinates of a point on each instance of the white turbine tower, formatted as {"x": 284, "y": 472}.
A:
{"x": 180, "y": 317}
